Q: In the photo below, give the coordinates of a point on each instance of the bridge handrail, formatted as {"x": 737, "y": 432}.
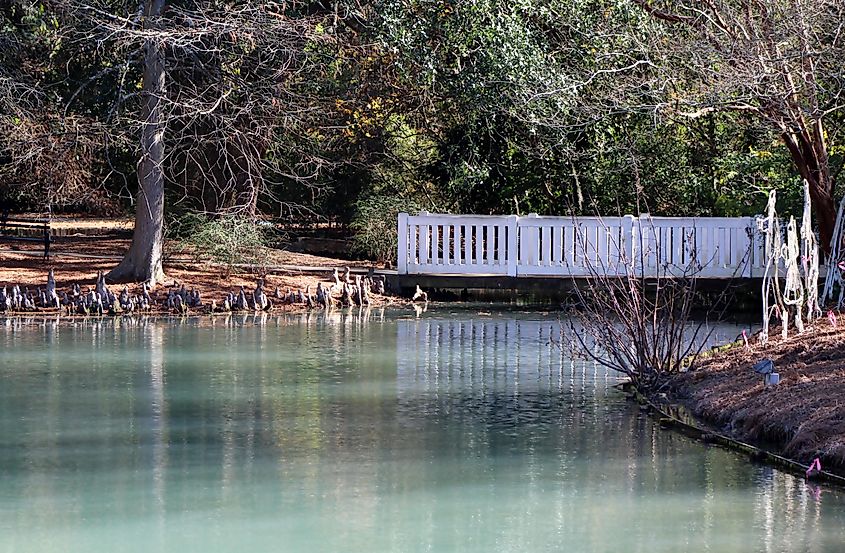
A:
{"x": 532, "y": 245}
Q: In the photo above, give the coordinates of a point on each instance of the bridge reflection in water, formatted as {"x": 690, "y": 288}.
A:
{"x": 591, "y": 465}
{"x": 498, "y": 355}
{"x": 361, "y": 432}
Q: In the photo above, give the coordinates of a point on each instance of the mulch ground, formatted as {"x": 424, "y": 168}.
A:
{"x": 803, "y": 416}
{"x": 78, "y": 260}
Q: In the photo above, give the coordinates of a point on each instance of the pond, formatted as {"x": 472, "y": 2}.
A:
{"x": 378, "y": 431}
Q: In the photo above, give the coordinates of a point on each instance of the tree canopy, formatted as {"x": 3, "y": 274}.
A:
{"x": 331, "y": 109}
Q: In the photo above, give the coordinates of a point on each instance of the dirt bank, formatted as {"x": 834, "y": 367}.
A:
{"x": 801, "y": 418}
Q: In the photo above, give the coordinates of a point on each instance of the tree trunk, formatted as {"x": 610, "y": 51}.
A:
{"x": 809, "y": 154}
{"x": 143, "y": 261}
{"x": 821, "y": 196}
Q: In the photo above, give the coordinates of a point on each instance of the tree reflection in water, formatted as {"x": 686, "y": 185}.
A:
{"x": 360, "y": 430}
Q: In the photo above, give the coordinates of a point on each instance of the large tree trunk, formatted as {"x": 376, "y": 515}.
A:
{"x": 821, "y": 196}
{"x": 809, "y": 154}
{"x": 143, "y": 261}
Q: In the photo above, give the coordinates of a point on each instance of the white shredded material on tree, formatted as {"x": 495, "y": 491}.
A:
{"x": 798, "y": 257}
{"x": 810, "y": 259}
{"x": 834, "y": 278}
{"x": 769, "y": 227}
{"x": 793, "y": 290}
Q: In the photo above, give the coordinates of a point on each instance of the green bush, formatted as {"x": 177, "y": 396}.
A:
{"x": 227, "y": 240}
{"x": 374, "y": 225}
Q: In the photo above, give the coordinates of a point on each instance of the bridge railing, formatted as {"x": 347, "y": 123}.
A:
{"x": 458, "y": 244}
{"x": 573, "y": 246}
{"x": 709, "y": 247}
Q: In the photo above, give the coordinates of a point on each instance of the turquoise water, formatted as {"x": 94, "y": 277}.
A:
{"x": 375, "y": 432}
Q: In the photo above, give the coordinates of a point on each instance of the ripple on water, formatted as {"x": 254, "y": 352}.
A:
{"x": 373, "y": 433}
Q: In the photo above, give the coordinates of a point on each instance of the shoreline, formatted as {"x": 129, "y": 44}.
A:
{"x": 204, "y": 288}
{"x": 797, "y": 420}
{"x": 677, "y": 418}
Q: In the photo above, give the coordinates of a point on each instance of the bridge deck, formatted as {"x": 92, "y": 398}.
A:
{"x": 477, "y": 286}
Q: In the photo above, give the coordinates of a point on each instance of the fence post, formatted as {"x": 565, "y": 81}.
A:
{"x": 649, "y": 243}
{"x": 751, "y": 231}
{"x": 423, "y": 239}
{"x": 529, "y": 242}
{"x": 627, "y": 249}
{"x": 513, "y": 244}
{"x": 402, "y": 250}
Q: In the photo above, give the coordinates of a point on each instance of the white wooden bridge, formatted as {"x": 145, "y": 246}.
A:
{"x": 534, "y": 246}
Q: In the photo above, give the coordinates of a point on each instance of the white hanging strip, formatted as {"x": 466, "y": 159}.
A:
{"x": 793, "y": 290}
{"x": 770, "y": 228}
{"x": 810, "y": 258}
{"x": 834, "y": 273}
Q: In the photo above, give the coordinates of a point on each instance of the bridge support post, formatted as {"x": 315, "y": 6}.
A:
{"x": 513, "y": 245}
{"x": 753, "y": 250}
{"x": 529, "y": 242}
{"x": 627, "y": 249}
{"x": 402, "y": 249}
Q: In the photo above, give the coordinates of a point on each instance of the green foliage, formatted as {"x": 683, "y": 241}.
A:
{"x": 707, "y": 167}
{"x": 531, "y": 116}
{"x": 483, "y": 106}
{"x": 374, "y": 225}
{"x": 227, "y": 240}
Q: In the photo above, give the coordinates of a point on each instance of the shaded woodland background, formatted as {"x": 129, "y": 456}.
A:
{"x": 351, "y": 111}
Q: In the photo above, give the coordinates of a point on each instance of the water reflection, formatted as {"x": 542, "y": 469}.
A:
{"x": 359, "y": 430}
{"x": 489, "y": 352}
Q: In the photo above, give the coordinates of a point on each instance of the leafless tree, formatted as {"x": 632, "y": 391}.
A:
{"x": 46, "y": 157}
{"x": 228, "y": 97}
{"x": 777, "y": 63}
{"x": 778, "y": 60}
{"x": 637, "y": 319}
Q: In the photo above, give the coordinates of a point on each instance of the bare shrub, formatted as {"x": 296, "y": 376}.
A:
{"x": 645, "y": 323}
